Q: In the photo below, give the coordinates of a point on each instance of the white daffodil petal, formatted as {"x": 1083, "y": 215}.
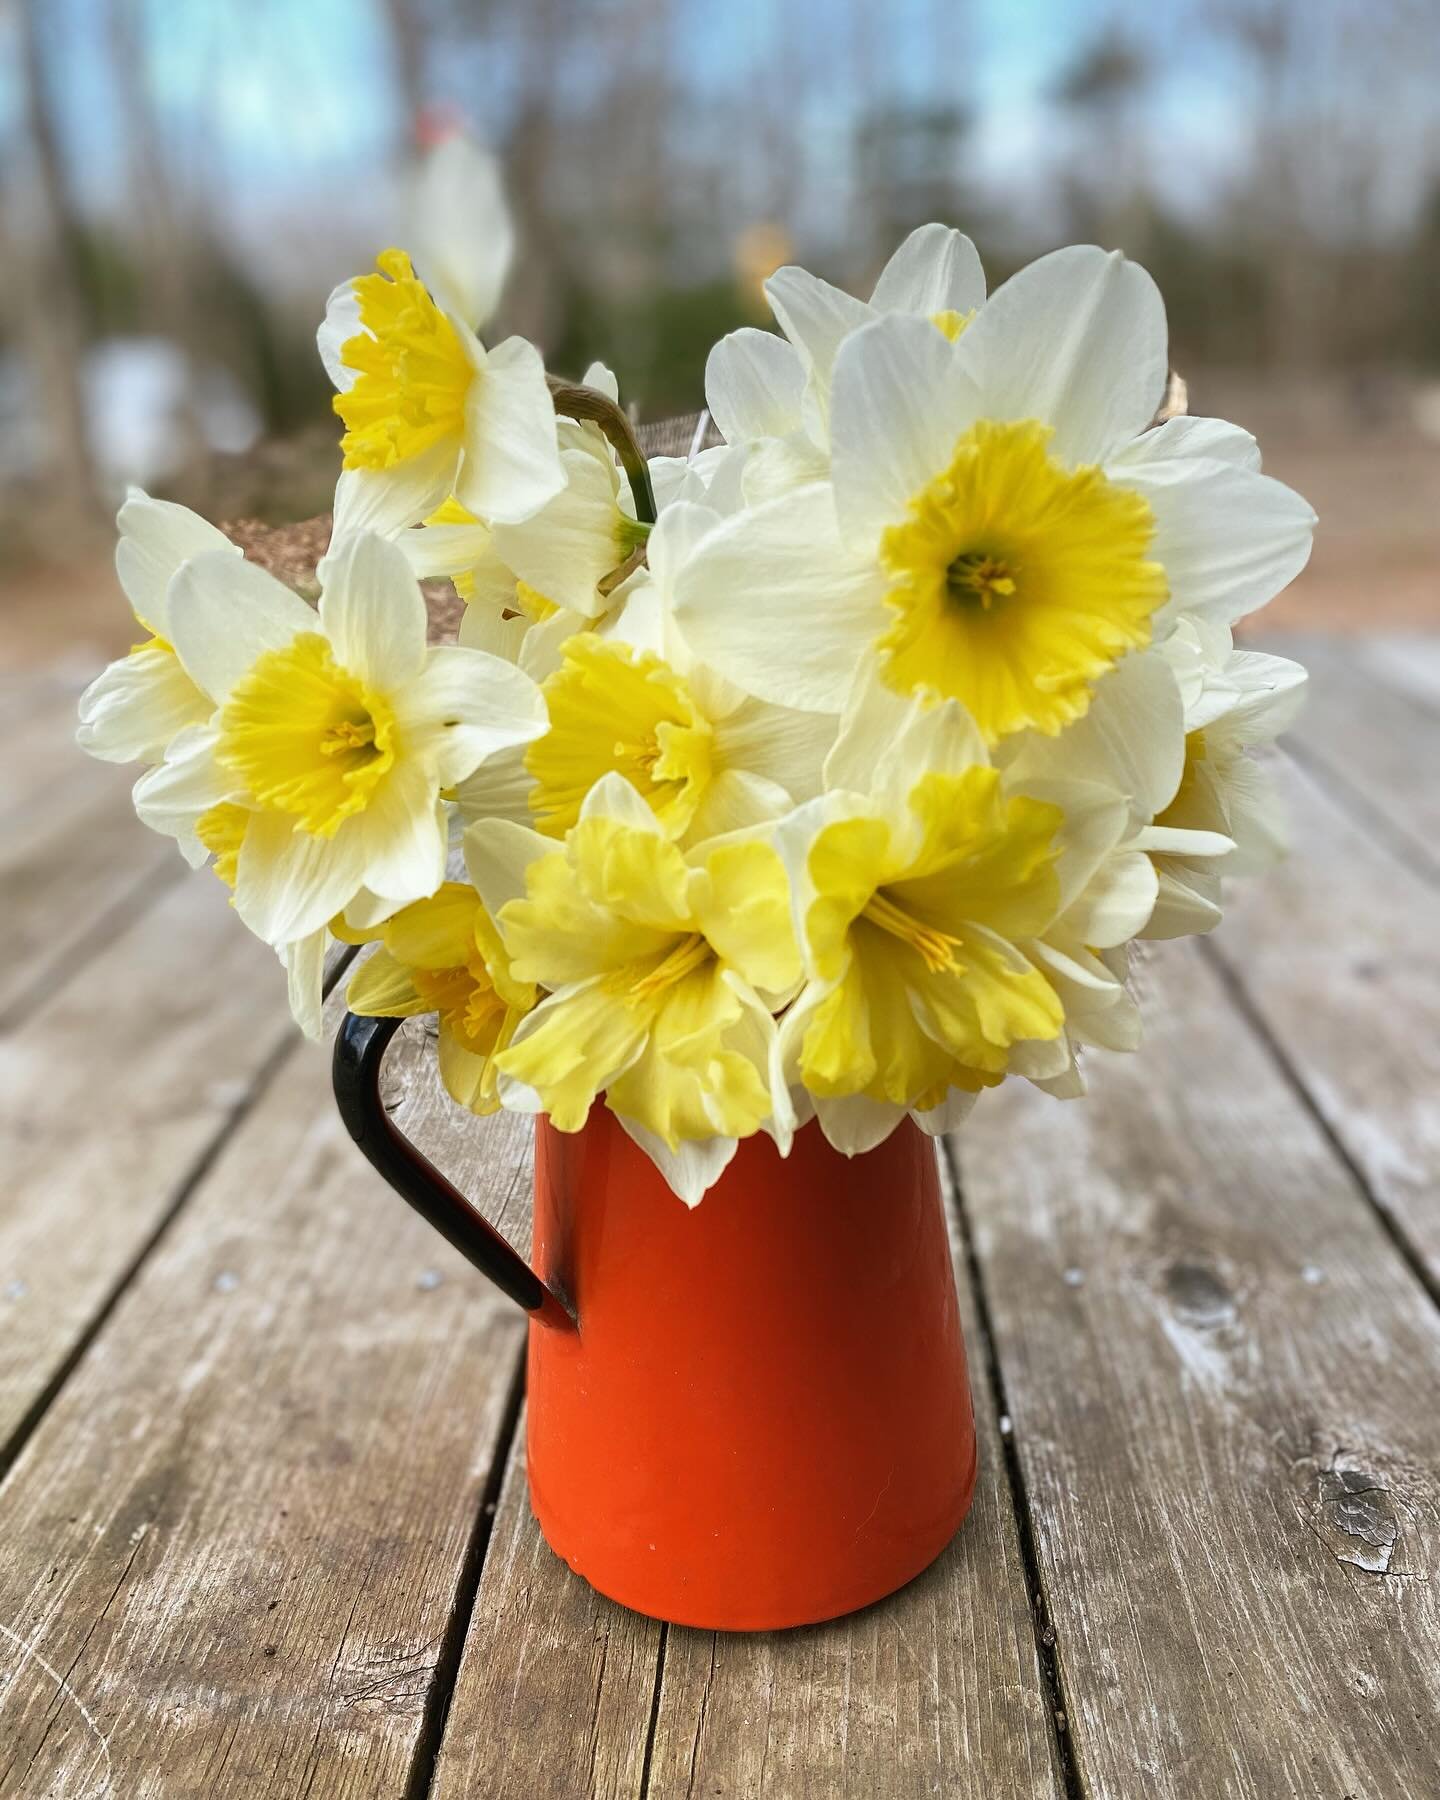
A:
{"x": 288, "y": 883}
{"x": 340, "y": 324}
{"x": 373, "y": 611}
{"x": 461, "y": 229}
{"x": 948, "y": 1116}
{"x": 304, "y": 963}
{"x": 691, "y": 1169}
{"x": 815, "y": 316}
{"x": 603, "y": 380}
{"x": 437, "y": 552}
{"x": 566, "y": 550}
{"x": 1228, "y": 539}
{"x": 612, "y": 797}
{"x": 133, "y": 709}
{"x": 511, "y": 466}
{"x": 170, "y": 797}
{"x": 225, "y": 613}
{"x": 855, "y": 1124}
{"x": 754, "y": 382}
{"x": 1182, "y": 907}
{"x": 1093, "y": 821}
{"x": 735, "y": 800}
{"x": 901, "y": 399}
{"x": 1132, "y": 738}
{"x": 484, "y": 627}
{"x": 1176, "y": 840}
{"x": 1078, "y": 341}
{"x": 778, "y": 466}
{"x": 387, "y": 501}
{"x": 465, "y": 706}
{"x": 1270, "y": 691}
{"x": 156, "y": 536}
{"x": 935, "y": 270}
{"x": 778, "y": 604}
{"x": 499, "y": 789}
{"x": 1257, "y": 818}
{"x": 784, "y": 745}
{"x": 404, "y": 831}
{"x": 543, "y": 647}
{"x": 1116, "y": 902}
{"x": 1187, "y": 438}
{"x": 497, "y": 854}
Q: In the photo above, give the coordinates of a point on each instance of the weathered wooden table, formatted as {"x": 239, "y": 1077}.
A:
{"x": 263, "y": 1523}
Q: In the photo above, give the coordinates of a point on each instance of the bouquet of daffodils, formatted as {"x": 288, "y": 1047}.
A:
{"x": 830, "y": 773}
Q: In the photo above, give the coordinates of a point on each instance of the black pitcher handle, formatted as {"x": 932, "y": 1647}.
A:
{"x": 359, "y": 1051}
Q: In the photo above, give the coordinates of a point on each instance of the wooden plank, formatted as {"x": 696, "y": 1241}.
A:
{"x": 236, "y": 1542}
{"x": 932, "y": 1691}
{"x": 555, "y": 1684}
{"x": 1375, "y": 745}
{"x": 74, "y": 864}
{"x": 111, "y": 1096}
{"x": 1411, "y": 664}
{"x": 38, "y": 749}
{"x": 554, "y": 1689}
{"x": 1223, "y": 1379}
{"x": 1335, "y": 951}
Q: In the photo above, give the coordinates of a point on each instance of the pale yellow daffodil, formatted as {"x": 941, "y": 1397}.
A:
{"x": 443, "y": 956}
{"x": 662, "y": 967}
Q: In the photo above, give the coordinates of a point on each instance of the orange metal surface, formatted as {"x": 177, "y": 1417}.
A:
{"x": 764, "y": 1417}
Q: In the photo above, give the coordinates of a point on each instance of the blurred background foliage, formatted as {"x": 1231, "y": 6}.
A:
{"x": 182, "y": 181}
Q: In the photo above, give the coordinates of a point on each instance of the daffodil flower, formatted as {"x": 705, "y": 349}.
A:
{"x": 565, "y": 558}
{"x": 428, "y": 411}
{"x": 139, "y": 705}
{"x": 443, "y": 956}
{"x": 772, "y": 394}
{"x": 995, "y": 530}
{"x": 334, "y": 733}
{"x": 1222, "y": 817}
{"x": 935, "y": 904}
{"x": 662, "y": 968}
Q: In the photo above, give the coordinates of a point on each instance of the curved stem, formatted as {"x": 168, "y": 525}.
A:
{"x": 576, "y": 401}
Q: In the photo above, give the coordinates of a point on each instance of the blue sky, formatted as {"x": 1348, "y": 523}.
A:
{"x": 273, "y": 106}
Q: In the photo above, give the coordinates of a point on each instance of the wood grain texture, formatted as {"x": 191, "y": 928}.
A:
{"x": 555, "y": 1685}
{"x": 1335, "y": 951}
{"x": 909, "y": 1697}
{"x": 111, "y": 1096}
{"x": 75, "y": 865}
{"x": 1376, "y": 742}
{"x": 235, "y": 1543}
{"x": 1223, "y": 1379}
{"x": 37, "y": 746}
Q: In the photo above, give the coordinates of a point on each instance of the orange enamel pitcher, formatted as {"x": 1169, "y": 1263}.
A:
{"x": 750, "y": 1414}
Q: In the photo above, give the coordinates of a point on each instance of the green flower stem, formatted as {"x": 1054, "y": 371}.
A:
{"x": 575, "y": 401}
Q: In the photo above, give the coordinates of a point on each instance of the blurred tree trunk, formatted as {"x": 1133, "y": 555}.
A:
{"x": 165, "y": 255}
{"x": 52, "y": 319}
{"x": 407, "y": 32}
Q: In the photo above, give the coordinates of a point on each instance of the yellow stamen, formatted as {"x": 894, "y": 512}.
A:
{"x": 951, "y": 323}
{"x": 687, "y": 956}
{"x": 936, "y": 948}
{"x": 306, "y": 736}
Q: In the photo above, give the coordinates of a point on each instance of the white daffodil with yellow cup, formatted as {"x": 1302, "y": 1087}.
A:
{"x": 808, "y": 787}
